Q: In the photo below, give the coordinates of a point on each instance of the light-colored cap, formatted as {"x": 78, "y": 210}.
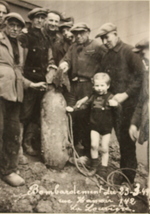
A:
{"x": 106, "y": 28}
{"x": 144, "y": 43}
{"x": 16, "y": 16}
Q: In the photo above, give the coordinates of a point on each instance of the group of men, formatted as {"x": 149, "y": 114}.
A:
{"x": 49, "y": 42}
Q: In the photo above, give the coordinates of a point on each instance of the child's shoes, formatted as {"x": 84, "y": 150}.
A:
{"x": 102, "y": 172}
{"x": 93, "y": 167}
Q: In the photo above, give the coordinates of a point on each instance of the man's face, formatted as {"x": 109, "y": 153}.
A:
{"x": 67, "y": 34}
{"x": 81, "y": 37}
{"x": 38, "y": 21}
{"x": 110, "y": 40}
{"x": 53, "y": 21}
{"x": 3, "y": 12}
{"x": 13, "y": 28}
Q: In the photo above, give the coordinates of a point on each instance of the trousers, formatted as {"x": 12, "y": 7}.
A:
{"x": 81, "y": 119}
{"x": 122, "y": 118}
{"x": 9, "y": 136}
{"x": 30, "y": 115}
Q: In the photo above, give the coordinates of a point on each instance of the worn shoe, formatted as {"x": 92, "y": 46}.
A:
{"x": 102, "y": 172}
{"x": 93, "y": 167}
{"x": 23, "y": 160}
{"x": 81, "y": 160}
{"x": 14, "y": 180}
{"x": 92, "y": 172}
{"x": 30, "y": 151}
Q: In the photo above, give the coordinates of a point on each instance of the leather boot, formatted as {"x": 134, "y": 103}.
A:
{"x": 28, "y": 148}
{"x": 94, "y": 165}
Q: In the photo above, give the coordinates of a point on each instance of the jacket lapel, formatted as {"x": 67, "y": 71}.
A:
{"x": 5, "y": 41}
{"x": 21, "y": 55}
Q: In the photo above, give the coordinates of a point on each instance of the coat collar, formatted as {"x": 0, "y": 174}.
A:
{"x": 118, "y": 45}
{"x": 5, "y": 41}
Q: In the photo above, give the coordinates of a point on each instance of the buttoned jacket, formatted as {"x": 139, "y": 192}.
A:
{"x": 125, "y": 69}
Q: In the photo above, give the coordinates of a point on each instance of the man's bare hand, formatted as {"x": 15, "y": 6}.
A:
{"x": 64, "y": 67}
{"x": 52, "y": 67}
{"x": 40, "y": 85}
{"x": 133, "y": 132}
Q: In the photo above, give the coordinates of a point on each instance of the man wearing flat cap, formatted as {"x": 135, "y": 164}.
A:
{"x": 81, "y": 62}
{"x": 35, "y": 68}
{"x": 140, "y": 118}
{"x": 12, "y": 85}
{"x": 68, "y": 37}
{"x": 125, "y": 70}
{"x": 61, "y": 45}
{"x": 51, "y": 31}
{"x": 4, "y": 9}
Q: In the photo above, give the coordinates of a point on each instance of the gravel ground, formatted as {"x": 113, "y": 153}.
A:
{"x": 68, "y": 191}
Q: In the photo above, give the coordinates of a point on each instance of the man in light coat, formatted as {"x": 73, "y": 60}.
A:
{"x": 12, "y": 85}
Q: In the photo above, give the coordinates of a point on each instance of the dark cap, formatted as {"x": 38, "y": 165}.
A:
{"x": 6, "y": 5}
{"x": 16, "y": 16}
{"x": 66, "y": 24}
{"x": 144, "y": 43}
{"x": 37, "y": 11}
{"x": 106, "y": 28}
{"x": 80, "y": 27}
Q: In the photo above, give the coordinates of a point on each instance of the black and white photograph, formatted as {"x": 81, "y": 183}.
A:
{"x": 74, "y": 106}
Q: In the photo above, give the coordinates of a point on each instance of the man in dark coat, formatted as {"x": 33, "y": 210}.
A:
{"x": 140, "y": 119}
{"x": 51, "y": 32}
{"x": 125, "y": 70}
{"x": 38, "y": 57}
{"x": 139, "y": 128}
{"x": 82, "y": 62}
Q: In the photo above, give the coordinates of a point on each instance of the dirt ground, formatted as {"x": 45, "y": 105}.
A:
{"x": 68, "y": 191}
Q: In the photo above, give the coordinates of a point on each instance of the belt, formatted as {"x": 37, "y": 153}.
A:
{"x": 81, "y": 79}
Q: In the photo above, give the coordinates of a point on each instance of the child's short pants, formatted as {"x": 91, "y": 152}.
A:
{"x": 101, "y": 122}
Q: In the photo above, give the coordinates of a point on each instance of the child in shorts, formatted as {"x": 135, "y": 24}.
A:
{"x": 101, "y": 122}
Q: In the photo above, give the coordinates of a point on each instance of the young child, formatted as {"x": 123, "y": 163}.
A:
{"x": 101, "y": 123}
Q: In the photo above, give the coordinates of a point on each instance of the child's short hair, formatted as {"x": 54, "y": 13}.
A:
{"x": 102, "y": 76}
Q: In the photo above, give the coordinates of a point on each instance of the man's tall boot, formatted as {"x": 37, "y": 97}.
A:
{"x": 29, "y": 136}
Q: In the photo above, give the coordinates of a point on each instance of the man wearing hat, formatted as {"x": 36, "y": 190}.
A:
{"x": 125, "y": 70}
{"x": 68, "y": 37}
{"x": 82, "y": 62}
{"x": 140, "y": 118}
{"x": 65, "y": 40}
{"x": 51, "y": 31}
{"x": 37, "y": 52}
{"x": 12, "y": 85}
{"x": 4, "y": 9}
